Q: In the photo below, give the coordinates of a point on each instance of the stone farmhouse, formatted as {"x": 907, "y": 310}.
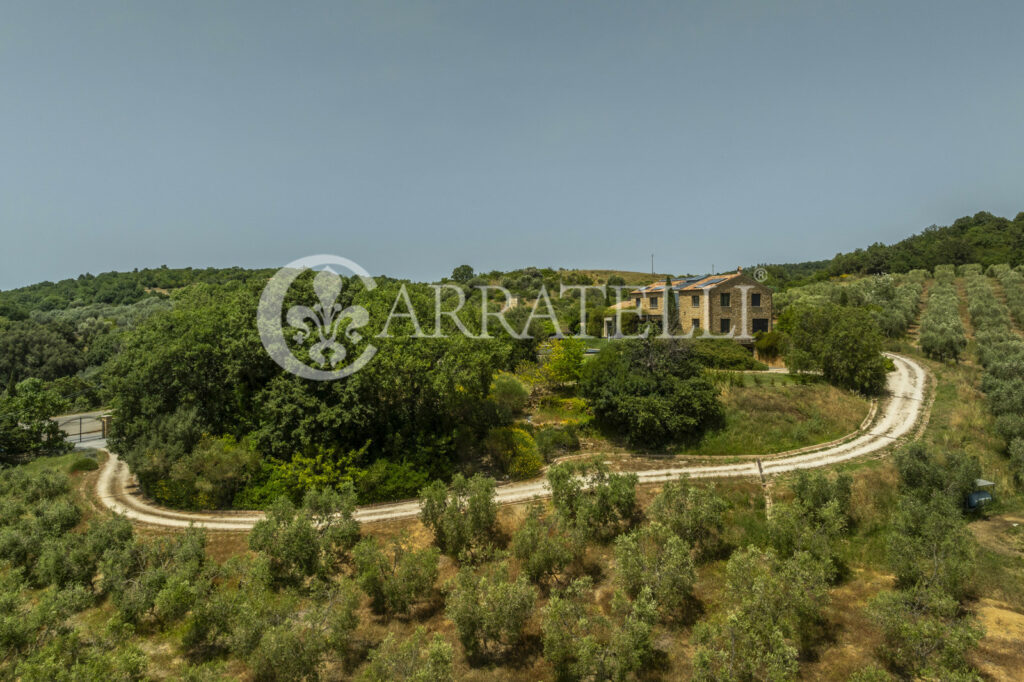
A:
{"x": 713, "y": 303}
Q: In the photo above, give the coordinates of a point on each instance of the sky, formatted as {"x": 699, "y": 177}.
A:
{"x": 412, "y": 137}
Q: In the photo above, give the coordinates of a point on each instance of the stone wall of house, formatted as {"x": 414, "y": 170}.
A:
{"x": 734, "y": 312}
{"x": 688, "y": 312}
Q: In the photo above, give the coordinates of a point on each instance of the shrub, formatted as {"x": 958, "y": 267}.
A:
{"x": 385, "y": 480}
{"x": 515, "y": 450}
{"x": 842, "y": 342}
{"x": 566, "y": 361}
{"x": 84, "y": 464}
{"x": 509, "y": 395}
{"x": 724, "y": 354}
{"x": 771, "y": 344}
{"x": 552, "y": 440}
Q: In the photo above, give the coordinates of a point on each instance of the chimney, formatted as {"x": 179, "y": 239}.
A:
{"x": 739, "y": 270}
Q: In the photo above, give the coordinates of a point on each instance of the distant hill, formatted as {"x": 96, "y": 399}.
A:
{"x": 628, "y": 276}
{"x": 114, "y": 288}
{"x": 982, "y": 238}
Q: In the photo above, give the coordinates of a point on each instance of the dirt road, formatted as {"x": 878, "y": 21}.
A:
{"x": 898, "y": 415}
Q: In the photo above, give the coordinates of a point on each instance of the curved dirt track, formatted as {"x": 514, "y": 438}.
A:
{"x": 898, "y": 415}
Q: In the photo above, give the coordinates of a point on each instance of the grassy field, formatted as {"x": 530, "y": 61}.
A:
{"x": 764, "y": 414}
{"x": 781, "y": 415}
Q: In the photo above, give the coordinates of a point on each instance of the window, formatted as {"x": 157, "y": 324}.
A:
{"x": 637, "y": 299}
{"x": 755, "y": 300}
{"x": 726, "y": 323}
{"x": 695, "y": 323}
{"x": 654, "y": 301}
{"x": 760, "y": 324}
{"x": 725, "y": 300}
{"x": 695, "y": 301}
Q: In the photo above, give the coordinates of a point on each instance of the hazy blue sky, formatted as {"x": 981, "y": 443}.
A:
{"x": 412, "y": 137}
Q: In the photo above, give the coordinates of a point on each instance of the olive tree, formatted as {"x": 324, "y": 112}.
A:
{"x": 922, "y": 474}
{"x": 307, "y": 541}
{"x": 772, "y": 615}
{"x": 792, "y": 529}
{"x": 543, "y": 548}
{"x": 394, "y": 577}
{"x": 490, "y": 610}
{"x": 591, "y": 500}
{"x": 653, "y": 557}
{"x": 694, "y": 513}
{"x": 287, "y": 652}
{"x": 161, "y": 578}
{"x": 463, "y": 517}
{"x": 931, "y": 547}
{"x": 413, "y": 659}
{"x": 581, "y": 643}
{"x": 923, "y": 635}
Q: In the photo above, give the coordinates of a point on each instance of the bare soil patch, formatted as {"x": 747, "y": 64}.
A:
{"x": 1002, "y": 534}
{"x": 1000, "y": 655}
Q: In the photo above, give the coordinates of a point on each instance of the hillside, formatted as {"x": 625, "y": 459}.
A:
{"x": 982, "y": 238}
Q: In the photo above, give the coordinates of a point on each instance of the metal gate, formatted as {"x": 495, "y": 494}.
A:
{"x": 85, "y": 428}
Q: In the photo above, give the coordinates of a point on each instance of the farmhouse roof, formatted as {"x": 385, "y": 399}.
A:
{"x": 688, "y": 284}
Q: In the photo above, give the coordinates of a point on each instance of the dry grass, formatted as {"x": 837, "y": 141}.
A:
{"x": 854, "y": 637}
{"x": 1000, "y": 655}
{"x": 762, "y": 420}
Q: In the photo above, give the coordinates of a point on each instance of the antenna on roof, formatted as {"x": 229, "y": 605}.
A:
{"x": 652, "y": 263}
